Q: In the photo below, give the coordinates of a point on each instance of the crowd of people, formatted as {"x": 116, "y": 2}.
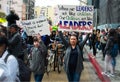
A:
{"x": 14, "y": 41}
{"x": 105, "y": 40}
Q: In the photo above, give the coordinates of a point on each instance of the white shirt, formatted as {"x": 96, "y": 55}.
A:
{"x": 12, "y": 65}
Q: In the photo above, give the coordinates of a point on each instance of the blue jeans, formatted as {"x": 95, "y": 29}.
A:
{"x": 38, "y": 77}
{"x": 113, "y": 62}
{"x": 73, "y": 77}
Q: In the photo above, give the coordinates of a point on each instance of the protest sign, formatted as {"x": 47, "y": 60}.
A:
{"x": 35, "y": 26}
{"x": 74, "y": 18}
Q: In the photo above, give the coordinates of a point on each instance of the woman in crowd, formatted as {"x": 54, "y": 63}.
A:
{"x": 112, "y": 39}
{"x": 73, "y": 62}
{"x": 103, "y": 40}
{"x": 37, "y": 60}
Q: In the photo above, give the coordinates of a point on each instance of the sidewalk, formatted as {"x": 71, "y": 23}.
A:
{"x": 98, "y": 64}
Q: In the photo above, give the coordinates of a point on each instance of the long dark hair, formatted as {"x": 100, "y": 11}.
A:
{"x": 74, "y": 34}
{"x": 113, "y": 33}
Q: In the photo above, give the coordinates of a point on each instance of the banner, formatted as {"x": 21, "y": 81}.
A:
{"x": 35, "y": 26}
{"x": 74, "y": 18}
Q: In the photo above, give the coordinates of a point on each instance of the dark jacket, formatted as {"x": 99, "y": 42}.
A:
{"x": 37, "y": 62}
{"x": 79, "y": 47}
{"x": 15, "y": 45}
{"x": 110, "y": 42}
{"x": 11, "y": 18}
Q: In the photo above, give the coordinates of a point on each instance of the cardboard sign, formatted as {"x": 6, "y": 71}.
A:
{"x": 35, "y": 26}
{"x": 74, "y": 18}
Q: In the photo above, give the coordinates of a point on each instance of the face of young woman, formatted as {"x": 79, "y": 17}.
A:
{"x": 73, "y": 40}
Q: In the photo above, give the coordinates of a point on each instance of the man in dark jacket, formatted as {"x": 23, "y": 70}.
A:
{"x": 15, "y": 42}
{"x": 12, "y": 17}
{"x": 93, "y": 41}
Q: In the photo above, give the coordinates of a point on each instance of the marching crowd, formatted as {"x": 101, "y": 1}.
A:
{"x": 15, "y": 44}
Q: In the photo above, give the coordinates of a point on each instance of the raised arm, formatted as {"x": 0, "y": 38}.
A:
{"x": 84, "y": 41}
{"x": 63, "y": 39}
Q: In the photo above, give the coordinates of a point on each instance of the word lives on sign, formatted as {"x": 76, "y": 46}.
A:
{"x": 75, "y": 18}
{"x": 36, "y": 26}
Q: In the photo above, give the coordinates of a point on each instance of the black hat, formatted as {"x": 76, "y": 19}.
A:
{"x": 14, "y": 26}
{"x": 3, "y": 40}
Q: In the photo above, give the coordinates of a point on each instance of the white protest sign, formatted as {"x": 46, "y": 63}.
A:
{"x": 74, "y": 18}
{"x": 35, "y": 26}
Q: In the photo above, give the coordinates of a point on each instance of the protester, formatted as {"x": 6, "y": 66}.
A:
{"x": 23, "y": 35}
{"x": 93, "y": 42}
{"x": 103, "y": 40}
{"x": 11, "y": 71}
{"x": 12, "y": 17}
{"x": 118, "y": 30}
{"x": 80, "y": 37}
{"x": 112, "y": 39}
{"x": 37, "y": 60}
{"x": 73, "y": 62}
{"x": 52, "y": 36}
{"x": 66, "y": 35}
{"x": 15, "y": 42}
{"x": 46, "y": 39}
{"x": 97, "y": 45}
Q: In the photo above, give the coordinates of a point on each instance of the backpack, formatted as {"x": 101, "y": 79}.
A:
{"x": 114, "y": 50}
{"x": 24, "y": 71}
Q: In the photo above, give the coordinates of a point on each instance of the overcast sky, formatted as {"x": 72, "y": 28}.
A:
{"x": 56, "y": 2}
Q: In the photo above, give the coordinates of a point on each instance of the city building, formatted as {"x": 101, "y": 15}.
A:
{"x": 4, "y": 7}
{"x": 17, "y": 5}
{"x": 30, "y": 4}
{"x": 47, "y": 12}
{"x": 109, "y": 13}
{"x": 106, "y": 14}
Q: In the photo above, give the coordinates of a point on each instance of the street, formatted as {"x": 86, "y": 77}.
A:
{"x": 88, "y": 74}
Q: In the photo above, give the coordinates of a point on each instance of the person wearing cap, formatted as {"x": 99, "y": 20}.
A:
{"x": 10, "y": 68}
{"x": 15, "y": 42}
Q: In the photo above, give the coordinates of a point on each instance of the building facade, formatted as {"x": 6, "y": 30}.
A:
{"x": 47, "y": 12}
{"x": 30, "y": 4}
{"x": 4, "y": 7}
{"x": 17, "y": 5}
{"x": 106, "y": 14}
